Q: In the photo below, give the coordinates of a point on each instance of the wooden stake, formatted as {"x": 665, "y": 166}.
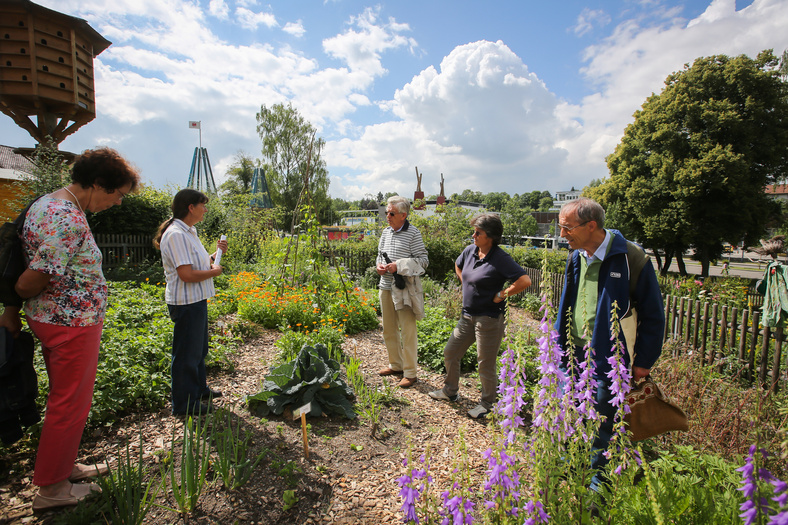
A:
{"x": 303, "y": 433}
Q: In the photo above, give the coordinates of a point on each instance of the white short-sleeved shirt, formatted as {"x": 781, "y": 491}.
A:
{"x": 180, "y": 246}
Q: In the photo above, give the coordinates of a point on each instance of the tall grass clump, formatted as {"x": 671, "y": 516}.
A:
{"x": 187, "y": 476}
{"x": 126, "y": 493}
{"x": 235, "y": 462}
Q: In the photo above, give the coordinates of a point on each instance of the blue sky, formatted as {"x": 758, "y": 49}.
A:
{"x": 511, "y": 95}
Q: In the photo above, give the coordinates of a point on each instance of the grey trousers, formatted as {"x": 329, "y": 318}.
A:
{"x": 488, "y": 333}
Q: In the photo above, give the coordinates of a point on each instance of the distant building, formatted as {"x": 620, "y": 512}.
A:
{"x": 777, "y": 191}
{"x": 12, "y": 167}
{"x": 562, "y": 197}
{"x": 356, "y": 217}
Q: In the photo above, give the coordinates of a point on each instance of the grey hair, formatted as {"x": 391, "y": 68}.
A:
{"x": 587, "y": 210}
{"x": 490, "y": 224}
{"x": 401, "y": 203}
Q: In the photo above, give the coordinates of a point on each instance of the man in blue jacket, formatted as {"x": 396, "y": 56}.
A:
{"x": 597, "y": 275}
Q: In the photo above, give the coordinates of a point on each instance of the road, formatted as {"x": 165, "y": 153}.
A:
{"x": 747, "y": 269}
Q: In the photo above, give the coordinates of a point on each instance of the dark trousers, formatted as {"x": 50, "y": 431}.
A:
{"x": 189, "y": 349}
{"x": 605, "y": 433}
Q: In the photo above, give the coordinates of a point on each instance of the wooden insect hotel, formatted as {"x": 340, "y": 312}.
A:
{"x": 46, "y": 69}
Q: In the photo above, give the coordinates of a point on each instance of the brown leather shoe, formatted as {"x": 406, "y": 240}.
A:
{"x": 407, "y": 382}
{"x": 390, "y": 372}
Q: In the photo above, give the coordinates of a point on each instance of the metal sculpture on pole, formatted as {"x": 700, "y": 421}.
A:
{"x": 201, "y": 174}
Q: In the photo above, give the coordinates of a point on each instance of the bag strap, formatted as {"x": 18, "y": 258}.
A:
{"x": 20, "y": 219}
{"x": 637, "y": 260}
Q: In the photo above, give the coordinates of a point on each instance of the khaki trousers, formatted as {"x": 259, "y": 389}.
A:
{"x": 399, "y": 334}
{"x": 488, "y": 333}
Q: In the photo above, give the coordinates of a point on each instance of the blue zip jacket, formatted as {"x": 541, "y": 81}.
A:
{"x": 614, "y": 286}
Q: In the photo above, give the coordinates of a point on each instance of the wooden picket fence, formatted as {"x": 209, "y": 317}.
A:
{"x": 128, "y": 250}
{"x": 726, "y": 337}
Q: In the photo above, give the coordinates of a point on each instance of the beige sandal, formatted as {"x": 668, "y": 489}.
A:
{"x": 88, "y": 471}
{"x": 77, "y": 493}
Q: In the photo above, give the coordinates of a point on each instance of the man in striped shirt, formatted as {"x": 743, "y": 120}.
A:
{"x": 401, "y": 240}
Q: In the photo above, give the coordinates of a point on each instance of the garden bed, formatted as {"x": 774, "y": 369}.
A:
{"x": 349, "y": 477}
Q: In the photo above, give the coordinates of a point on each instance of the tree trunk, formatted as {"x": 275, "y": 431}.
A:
{"x": 668, "y": 259}
{"x": 704, "y": 265}
{"x": 680, "y": 263}
{"x": 658, "y": 259}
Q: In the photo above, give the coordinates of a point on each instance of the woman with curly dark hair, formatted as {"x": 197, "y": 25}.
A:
{"x": 65, "y": 299}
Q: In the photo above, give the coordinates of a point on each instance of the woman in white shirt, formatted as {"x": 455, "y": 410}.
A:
{"x": 189, "y": 272}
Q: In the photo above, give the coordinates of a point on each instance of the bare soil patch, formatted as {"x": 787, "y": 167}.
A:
{"x": 350, "y": 475}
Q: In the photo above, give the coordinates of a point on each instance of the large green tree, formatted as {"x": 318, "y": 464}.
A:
{"x": 240, "y": 175}
{"x": 517, "y": 221}
{"x": 496, "y": 201}
{"x": 690, "y": 170}
{"x": 292, "y": 155}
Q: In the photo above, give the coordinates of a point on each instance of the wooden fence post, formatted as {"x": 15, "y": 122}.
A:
{"x": 778, "y": 346}
{"x": 734, "y": 328}
{"x": 704, "y": 332}
{"x": 680, "y": 324}
{"x": 723, "y": 337}
{"x": 762, "y": 369}
{"x": 667, "y": 318}
{"x": 756, "y": 317}
{"x": 745, "y": 329}
{"x": 712, "y": 353}
{"x": 696, "y": 328}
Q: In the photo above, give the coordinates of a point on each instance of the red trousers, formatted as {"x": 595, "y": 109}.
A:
{"x": 71, "y": 357}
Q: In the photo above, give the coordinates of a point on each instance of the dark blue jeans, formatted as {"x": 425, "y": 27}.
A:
{"x": 189, "y": 348}
{"x": 605, "y": 433}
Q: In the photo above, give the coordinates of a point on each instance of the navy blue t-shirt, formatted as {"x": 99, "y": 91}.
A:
{"x": 483, "y": 278}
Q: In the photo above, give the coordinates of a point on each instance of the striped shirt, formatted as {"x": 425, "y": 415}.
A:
{"x": 402, "y": 244}
{"x": 181, "y": 246}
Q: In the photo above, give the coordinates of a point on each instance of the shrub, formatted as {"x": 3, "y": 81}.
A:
{"x": 529, "y": 257}
{"x": 291, "y": 342}
{"x": 731, "y": 291}
{"x": 434, "y": 332}
{"x": 311, "y": 377}
{"x": 307, "y": 308}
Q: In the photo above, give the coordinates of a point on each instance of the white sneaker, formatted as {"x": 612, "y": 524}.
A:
{"x": 478, "y": 412}
{"x": 440, "y": 395}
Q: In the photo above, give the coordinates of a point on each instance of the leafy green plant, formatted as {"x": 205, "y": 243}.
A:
{"x": 529, "y": 302}
{"x": 287, "y": 470}
{"x": 187, "y": 479}
{"x": 368, "y": 400}
{"x": 684, "y": 486}
{"x": 234, "y": 464}
{"x": 433, "y": 332}
{"x": 289, "y": 500}
{"x": 291, "y": 341}
{"x": 312, "y": 377}
{"x": 126, "y": 494}
{"x": 134, "y": 364}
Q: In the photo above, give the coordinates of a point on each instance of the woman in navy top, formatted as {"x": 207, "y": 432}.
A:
{"x": 483, "y": 268}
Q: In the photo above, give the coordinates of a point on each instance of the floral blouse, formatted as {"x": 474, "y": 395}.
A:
{"x": 57, "y": 241}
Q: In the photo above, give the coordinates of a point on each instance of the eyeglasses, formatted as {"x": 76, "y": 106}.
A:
{"x": 477, "y": 233}
{"x": 392, "y": 213}
{"x": 568, "y": 229}
{"x": 122, "y": 195}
